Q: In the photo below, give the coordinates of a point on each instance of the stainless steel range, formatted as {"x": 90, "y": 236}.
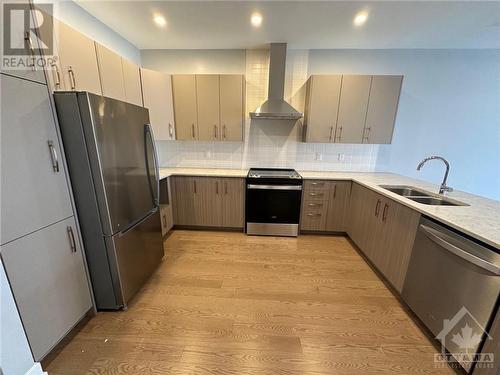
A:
{"x": 273, "y": 199}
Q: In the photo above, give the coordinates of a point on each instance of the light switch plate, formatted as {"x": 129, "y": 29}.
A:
{"x": 318, "y": 156}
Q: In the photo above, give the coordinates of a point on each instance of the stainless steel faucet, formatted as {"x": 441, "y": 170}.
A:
{"x": 443, "y": 188}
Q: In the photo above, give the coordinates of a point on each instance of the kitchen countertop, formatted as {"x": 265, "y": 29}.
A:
{"x": 481, "y": 219}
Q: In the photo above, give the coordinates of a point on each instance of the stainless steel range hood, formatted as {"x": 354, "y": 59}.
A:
{"x": 275, "y": 107}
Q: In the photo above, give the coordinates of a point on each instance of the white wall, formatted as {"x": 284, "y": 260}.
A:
{"x": 15, "y": 354}
{"x": 78, "y": 18}
{"x": 449, "y": 106}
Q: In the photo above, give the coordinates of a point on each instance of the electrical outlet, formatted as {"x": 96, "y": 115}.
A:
{"x": 341, "y": 157}
{"x": 318, "y": 156}
{"x": 208, "y": 155}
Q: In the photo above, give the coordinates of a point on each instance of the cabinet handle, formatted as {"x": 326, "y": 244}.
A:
{"x": 225, "y": 187}
{"x": 170, "y": 130}
{"x": 331, "y": 133}
{"x": 340, "y": 134}
{"x": 315, "y": 194}
{"x": 217, "y": 187}
{"x": 224, "y": 132}
{"x": 72, "y": 79}
{"x": 215, "y": 132}
{"x": 192, "y": 131}
{"x": 334, "y": 190}
{"x": 164, "y": 221}
{"x": 384, "y": 213}
{"x": 366, "y": 135}
{"x": 53, "y": 155}
{"x": 315, "y": 204}
{"x": 317, "y": 183}
{"x": 29, "y": 42}
{"x": 58, "y": 75}
{"x": 71, "y": 236}
{"x": 377, "y": 207}
{"x": 195, "y": 186}
{"x": 313, "y": 215}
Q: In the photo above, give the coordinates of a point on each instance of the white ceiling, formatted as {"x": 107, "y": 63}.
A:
{"x": 303, "y": 24}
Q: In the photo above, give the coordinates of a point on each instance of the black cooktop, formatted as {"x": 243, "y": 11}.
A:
{"x": 258, "y": 173}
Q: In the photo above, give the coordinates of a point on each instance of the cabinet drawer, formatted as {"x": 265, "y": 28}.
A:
{"x": 316, "y": 185}
{"x": 316, "y": 195}
{"x": 49, "y": 283}
{"x": 312, "y": 205}
{"x": 313, "y": 220}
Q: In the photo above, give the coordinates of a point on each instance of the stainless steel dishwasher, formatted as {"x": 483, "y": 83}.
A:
{"x": 452, "y": 285}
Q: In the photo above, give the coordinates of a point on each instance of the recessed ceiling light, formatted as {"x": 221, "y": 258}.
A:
{"x": 159, "y": 20}
{"x": 256, "y": 19}
{"x": 360, "y": 18}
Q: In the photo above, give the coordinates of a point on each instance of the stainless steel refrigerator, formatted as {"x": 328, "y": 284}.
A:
{"x": 114, "y": 173}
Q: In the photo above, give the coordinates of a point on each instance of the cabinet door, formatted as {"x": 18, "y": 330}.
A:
{"x": 365, "y": 210}
{"x": 166, "y": 213}
{"x": 208, "y": 201}
{"x": 231, "y": 107}
{"x": 184, "y": 205}
{"x": 352, "y": 108}
{"x": 382, "y": 107}
{"x": 78, "y": 60}
{"x": 132, "y": 83}
{"x": 157, "y": 94}
{"x": 233, "y": 202}
{"x": 111, "y": 73}
{"x": 394, "y": 247}
{"x": 207, "y": 97}
{"x": 34, "y": 190}
{"x": 184, "y": 93}
{"x": 338, "y": 206}
{"x": 322, "y": 107}
{"x": 49, "y": 283}
{"x": 28, "y": 41}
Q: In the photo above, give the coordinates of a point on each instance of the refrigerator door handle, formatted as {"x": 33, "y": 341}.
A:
{"x": 148, "y": 132}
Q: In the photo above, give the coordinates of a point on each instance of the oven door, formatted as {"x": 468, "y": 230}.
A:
{"x": 273, "y": 209}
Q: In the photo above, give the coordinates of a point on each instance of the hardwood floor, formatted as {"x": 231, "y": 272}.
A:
{"x": 226, "y": 303}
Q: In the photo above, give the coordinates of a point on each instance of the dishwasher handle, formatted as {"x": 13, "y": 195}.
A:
{"x": 434, "y": 236}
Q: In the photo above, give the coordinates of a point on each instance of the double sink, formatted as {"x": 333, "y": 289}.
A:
{"x": 422, "y": 196}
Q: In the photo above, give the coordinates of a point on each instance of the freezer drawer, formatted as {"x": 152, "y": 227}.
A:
{"x": 138, "y": 252}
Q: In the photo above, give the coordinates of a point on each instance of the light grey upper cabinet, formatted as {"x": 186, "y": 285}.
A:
{"x": 49, "y": 283}
{"x": 232, "y": 105}
{"x": 382, "y": 107}
{"x": 207, "y": 100}
{"x": 110, "y": 73}
{"x": 78, "y": 57}
{"x": 185, "y": 109}
{"x": 352, "y": 108}
{"x": 19, "y": 38}
{"x": 157, "y": 95}
{"x": 34, "y": 188}
{"x": 320, "y": 118}
{"x": 132, "y": 82}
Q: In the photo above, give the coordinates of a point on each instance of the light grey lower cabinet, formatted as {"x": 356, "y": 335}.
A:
{"x": 34, "y": 190}
{"x": 48, "y": 279}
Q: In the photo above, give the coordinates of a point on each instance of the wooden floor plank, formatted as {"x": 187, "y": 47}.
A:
{"x": 226, "y": 303}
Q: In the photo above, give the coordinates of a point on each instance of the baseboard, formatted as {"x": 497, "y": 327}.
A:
{"x": 36, "y": 369}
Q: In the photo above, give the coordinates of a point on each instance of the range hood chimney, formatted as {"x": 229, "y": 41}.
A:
{"x": 275, "y": 107}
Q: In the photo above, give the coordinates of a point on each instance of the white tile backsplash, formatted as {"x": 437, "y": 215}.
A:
{"x": 274, "y": 143}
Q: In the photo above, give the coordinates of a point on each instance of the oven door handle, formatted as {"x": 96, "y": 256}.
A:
{"x": 434, "y": 236}
{"x": 274, "y": 187}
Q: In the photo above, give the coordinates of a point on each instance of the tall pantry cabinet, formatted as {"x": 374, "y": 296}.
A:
{"x": 40, "y": 242}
